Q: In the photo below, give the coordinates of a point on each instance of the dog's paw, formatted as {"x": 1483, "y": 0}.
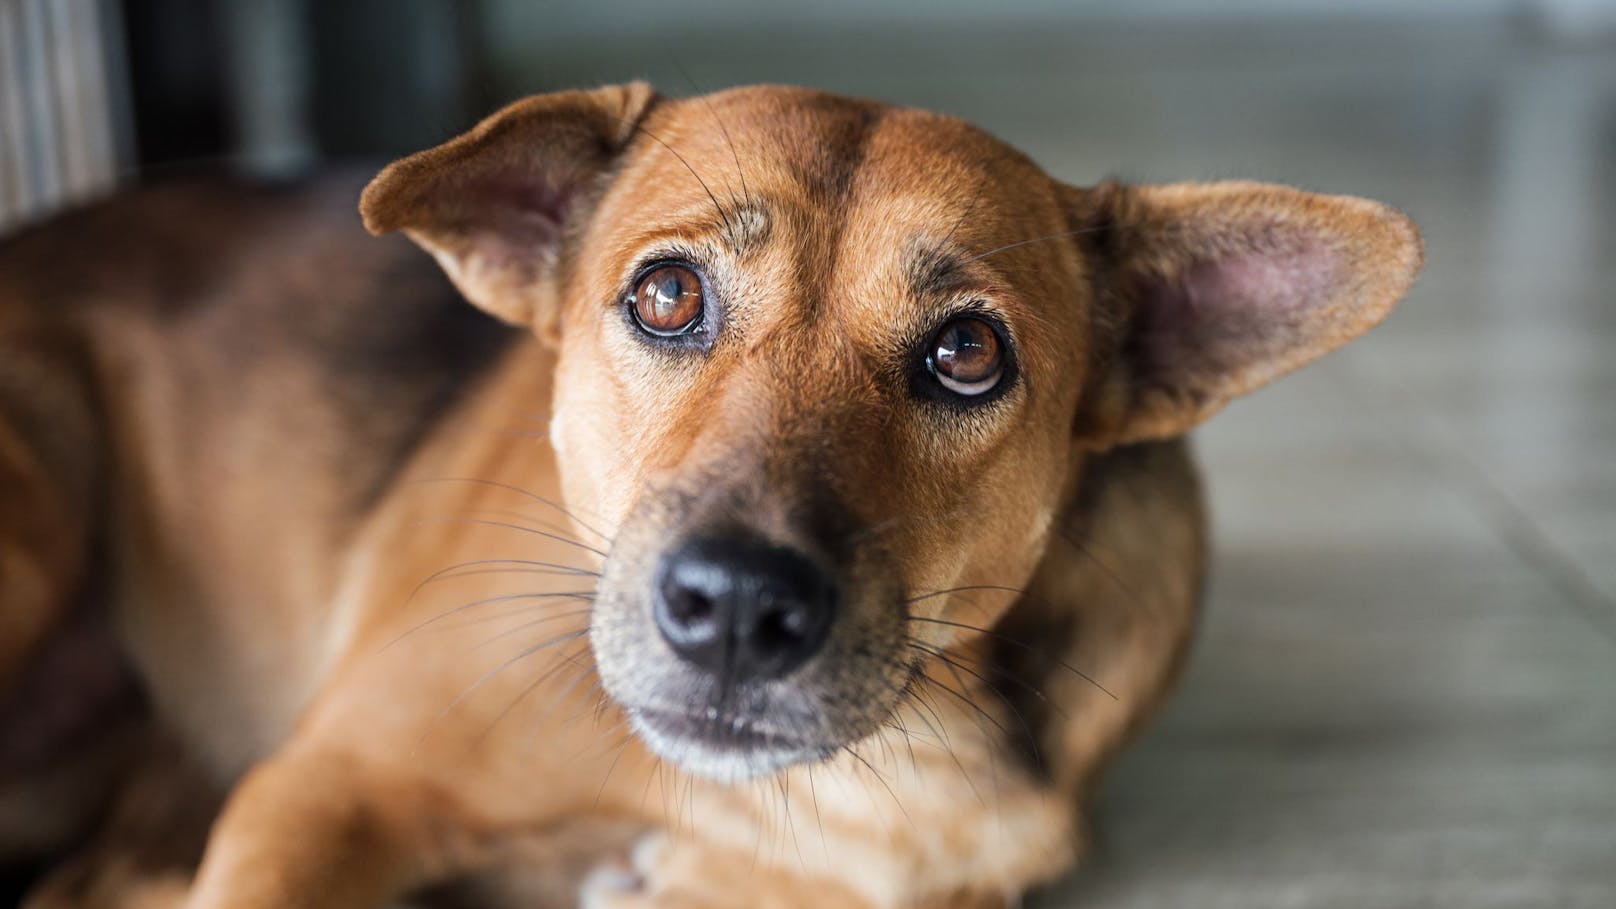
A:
{"x": 662, "y": 873}
{"x": 632, "y": 883}
{"x": 668, "y": 873}
{"x": 613, "y": 886}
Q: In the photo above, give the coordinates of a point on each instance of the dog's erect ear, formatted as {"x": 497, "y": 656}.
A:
{"x": 1208, "y": 291}
{"x": 495, "y": 204}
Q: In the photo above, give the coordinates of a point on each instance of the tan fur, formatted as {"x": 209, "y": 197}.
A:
{"x": 392, "y": 710}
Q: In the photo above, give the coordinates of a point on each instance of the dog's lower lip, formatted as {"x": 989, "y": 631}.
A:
{"x": 718, "y": 730}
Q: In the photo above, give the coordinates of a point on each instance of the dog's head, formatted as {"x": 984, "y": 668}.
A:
{"x": 823, "y": 361}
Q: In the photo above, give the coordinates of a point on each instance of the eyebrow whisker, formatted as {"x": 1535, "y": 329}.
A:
{"x": 706, "y": 100}
{"x": 1009, "y": 246}
{"x": 722, "y": 213}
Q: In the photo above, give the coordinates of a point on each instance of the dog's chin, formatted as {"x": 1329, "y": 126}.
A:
{"x": 725, "y": 750}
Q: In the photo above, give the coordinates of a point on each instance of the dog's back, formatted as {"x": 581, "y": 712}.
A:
{"x": 204, "y": 384}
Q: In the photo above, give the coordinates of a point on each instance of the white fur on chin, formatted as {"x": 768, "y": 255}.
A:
{"x": 724, "y": 765}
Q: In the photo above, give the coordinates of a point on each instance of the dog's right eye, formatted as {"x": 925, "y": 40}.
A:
{"x": 668, "y": 301}
{"x": 967, "y": 357}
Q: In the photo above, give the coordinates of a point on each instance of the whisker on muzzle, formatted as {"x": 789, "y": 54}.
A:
{"x": 585, "y": 595}
{"x": 523, "y": 654}
{"x": 518, "y": 565}
{"x": 1016, "y": 642}
{"x": 527, "y": 494}
{"x": 955, "y": 668}
{"x": 583, "y": 670}
{"x": 849, "y": 750}
{"x": 506, "y": 525}
{"x": 532, "y": 623}
{"x": 552, "y": 572}
{"x": 989, "y": 666}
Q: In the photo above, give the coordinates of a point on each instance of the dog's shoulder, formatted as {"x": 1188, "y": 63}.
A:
{"x": 1106, "y": 624}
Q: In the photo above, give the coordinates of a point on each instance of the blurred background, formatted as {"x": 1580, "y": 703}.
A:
{"x": 1405, "y": 690}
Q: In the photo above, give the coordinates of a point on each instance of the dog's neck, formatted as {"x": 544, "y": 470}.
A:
{"x": 501, "y": 430}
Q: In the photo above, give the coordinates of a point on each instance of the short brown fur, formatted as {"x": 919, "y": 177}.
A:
{"x": 302, "y": 471}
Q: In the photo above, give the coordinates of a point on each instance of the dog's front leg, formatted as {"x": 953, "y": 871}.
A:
{"x": 681, "y": 872}
{"x": 313, "y": 827}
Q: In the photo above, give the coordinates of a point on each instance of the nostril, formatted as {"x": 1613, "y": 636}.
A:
{"x": 785, "y": 627}
{"x": 690, "y": 606}
{"x": 793, "y": 622}
{"x": 781, "y": 627}
{"x": 687, "y": 612}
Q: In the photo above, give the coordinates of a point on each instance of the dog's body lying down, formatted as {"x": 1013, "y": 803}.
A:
{"x": 813, "y": 531}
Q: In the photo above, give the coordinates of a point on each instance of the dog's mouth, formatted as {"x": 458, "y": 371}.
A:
{"x": 724, "y": 745}
{"x": 736, "y": 656}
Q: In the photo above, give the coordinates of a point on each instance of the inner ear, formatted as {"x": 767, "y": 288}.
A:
{"x": 496, "y": 205}
{"x": 1209, "y": 291}
{"x": 1210, "y": 320}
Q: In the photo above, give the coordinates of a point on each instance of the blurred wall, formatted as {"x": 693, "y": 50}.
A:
{"x": 524, "y": 16}
{"x": 90, "y": 89}
{"x": 514, "y": 24}
{"x": 63, "y": 118}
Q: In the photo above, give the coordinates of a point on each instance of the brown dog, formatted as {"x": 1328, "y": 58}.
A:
{"x": 820, "y": 528}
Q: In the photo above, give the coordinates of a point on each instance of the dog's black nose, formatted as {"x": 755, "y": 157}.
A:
{"x": 741, "y": 608}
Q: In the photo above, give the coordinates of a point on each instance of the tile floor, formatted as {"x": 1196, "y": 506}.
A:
{"x": 1405, "y": 690}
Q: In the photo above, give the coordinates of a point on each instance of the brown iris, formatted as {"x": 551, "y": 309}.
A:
{"x": 966, "y": 356}
{"x": 668, "y": 300}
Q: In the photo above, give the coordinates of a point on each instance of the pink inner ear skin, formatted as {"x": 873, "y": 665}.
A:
{"x": 1260, "y": 286}
{"x": 1227, "y": 315}
{"x": 510, "y": 225}
{"x": 529, "y": 210}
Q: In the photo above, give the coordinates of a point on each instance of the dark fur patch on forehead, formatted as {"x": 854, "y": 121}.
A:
{"x": 836, "y": 133}
{"x": 932, "y": 270}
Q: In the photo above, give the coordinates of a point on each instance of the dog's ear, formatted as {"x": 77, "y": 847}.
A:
{"x": 495, "y": 205}
{"x": 1208, "y": 291}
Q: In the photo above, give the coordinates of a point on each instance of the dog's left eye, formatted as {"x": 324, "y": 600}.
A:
{"x": 668, "y": 301}
{"x": 966, "y": 356}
